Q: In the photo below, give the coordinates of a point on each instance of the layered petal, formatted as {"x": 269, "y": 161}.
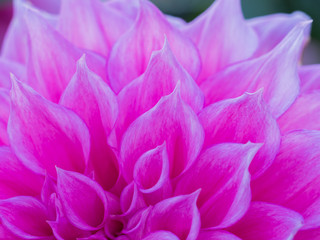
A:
{"x": 25, "y": 217}
{"x": 163, "y": 235}
{"x": 303, "y": 114}
{"x": 216, "y": 235}
{"x": 4, "y": 115}
{"x": 151, "y": 174}
{"x": 50, "y": 71}
{"x": 170, "y": 121}
{"x": 293, "y": 179}
{"x": 15, "y": 178}
{"x": 98, "y": 26}
{"x": 275, "y": 72}
{"x": 178, "y": 215}
{"x": 240, "y": 120}
{"x": 267, "y": 222}
{"x": 312, "y": 234}
{"x": 271, "y": 29}
{"x": 83, "y": 201}
{"x": 160, "y": 78}
{"x": 44, "y": 135}
{"x": 221, "y": 172}
{"x": 222, "y": 36}
{"x": 93, "y": 100}
{"x": 310, "y": 78}
{"x": 130, "y": 55}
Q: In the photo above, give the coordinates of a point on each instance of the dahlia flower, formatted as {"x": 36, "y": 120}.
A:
{"x": 120, "y": 122}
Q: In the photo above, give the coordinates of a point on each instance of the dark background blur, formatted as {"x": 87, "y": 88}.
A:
{"x": 189, "y": 9}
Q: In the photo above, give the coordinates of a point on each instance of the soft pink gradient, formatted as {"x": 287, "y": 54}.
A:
{"x": 119, "y": 122}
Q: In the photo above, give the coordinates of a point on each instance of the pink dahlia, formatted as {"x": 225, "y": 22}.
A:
{"x": 119, "y": 122}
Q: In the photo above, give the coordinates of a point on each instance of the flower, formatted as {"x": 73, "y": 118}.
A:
{"x": 119, "y": 122}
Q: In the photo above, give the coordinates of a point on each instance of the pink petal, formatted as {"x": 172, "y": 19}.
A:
{"x": 93, "y": 100}
{"x": 83, "y": 200}
{"x": 131, "y": 200}
{"x": 25, "y": 217}
{"x": 312, "y": 234}
{"x": 232, "y": 39}
{"x": 271, "y": 29}
{"x": 216, "y": 235}
{"x": 178, "y": 215}
{"x": 169, "y": 121}
{"x": 151, "y": 174}
{"x": 51, "y": 6}
{"x": 43, "y": 134}
{"x": 293, "y": 180}
{"x": 50, "y": 71}
{"x": 136, "y": 224}
{"x": 163, "y": 235}
{"x": 130, "y": 55}
{"x": 310, "y": 77}
{"x": 243, "y": 119}
{"x": 275, "y": 71}
{"x": 160, "y": 78}
{"x": 4, "y": 116}
{"x": 303, "y": 114}
{"x": 6, "y": 234}
{"x": 222, "y": 174}
{"x": 265, "y": 221}
{"x": 6, "y": 68}
{"x": 15, "y": 178}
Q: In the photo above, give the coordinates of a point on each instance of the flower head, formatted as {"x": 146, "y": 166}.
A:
{"x": 120, "y": 122}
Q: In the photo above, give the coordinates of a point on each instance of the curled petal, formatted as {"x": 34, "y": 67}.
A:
{"x": 271, "y": 29}
{"x": 25, "y": 217}
{"x": 76, "y": 191}
{"x": 93, "y": 100}
{"x": 303, "y": 114}
{"x": 222, "y": 174}
{"x": 15, "y": 178}
{"x": 160, "y": 78}
{"x": 267, "y": 222}
{"x": 163, "y": 235}
{"x": 243, "y": 119}
{"x": 178, "y": 215}
{"x": 151, "y": 174}
{"x": 216, "y": 235}
{"x": 293, "y": 180}
{"x": 275, "y": 72}
{"x": 136, "y": 224}
{"x": 310, "y": 78}
{"x": 235, "y": 40}
{"x": 130, "y": 55}
{"x": 43, "y": 134}
{"x": 170, "y": 121}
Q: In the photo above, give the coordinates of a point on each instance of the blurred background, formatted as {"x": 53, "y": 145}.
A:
{"x": 189, "y": 9}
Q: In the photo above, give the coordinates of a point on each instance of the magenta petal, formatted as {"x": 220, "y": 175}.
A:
{"x": 310, "y": 77}
{"x": 265, "y": 221}
{"x": 160, "y": 78}
{"x": 130, "y": 55}
{"x": 303, "y": 114}
{"x": 83, "y": 200}
{"x": 151, "y": 174}
{"x": 15, "y": 178}
{"x": 293, "y": 180}
{"x": 222, "y": 174}
{"x": 312, "y": 234}
{"x": 232, "y": 39}
{"x": 169, "y": 121}
{"x": 93, "y": 100}
{"x": 275, "y": 72}
{"x": 163, "y": 235}
{"x": 6, "y": 68}
{"x": 4, "y": 116}
{"x": 216, "y": 235}
{"x": 178, "y": 215}
{"x": 243, "y": 119}
{"x": 50, "y": 71}
{"x": 271, "y": 29}
{"x": 25, "y": 217}
{"x": 44, "y": 135}
{"x": 136, "y": 224}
